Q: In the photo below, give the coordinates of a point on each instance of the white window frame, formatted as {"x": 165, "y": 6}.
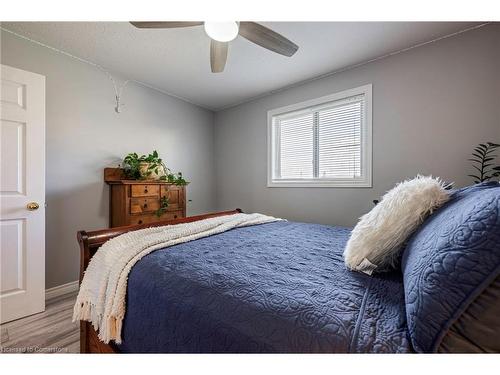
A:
{"x": 365, "y": 180}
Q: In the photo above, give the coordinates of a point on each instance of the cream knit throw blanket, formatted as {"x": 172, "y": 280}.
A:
{"x": 101, "y": 299}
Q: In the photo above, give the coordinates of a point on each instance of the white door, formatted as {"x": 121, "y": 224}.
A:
{"x": 22, "y": 193}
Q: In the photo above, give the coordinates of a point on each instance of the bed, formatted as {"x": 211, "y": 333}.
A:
{"x": 282, "y": 287}
{"x": 274, "y": 287}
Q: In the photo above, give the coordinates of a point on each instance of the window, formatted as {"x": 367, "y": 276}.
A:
{"x": 322, "y": 142}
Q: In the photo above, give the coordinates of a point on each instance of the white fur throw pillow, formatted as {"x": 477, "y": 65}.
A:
{"x": 377, "y": 239}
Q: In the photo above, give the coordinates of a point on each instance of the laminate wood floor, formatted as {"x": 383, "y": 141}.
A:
{"x": 51, "y": 331}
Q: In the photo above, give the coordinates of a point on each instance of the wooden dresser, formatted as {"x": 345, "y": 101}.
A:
{"x": 142, "y": 201}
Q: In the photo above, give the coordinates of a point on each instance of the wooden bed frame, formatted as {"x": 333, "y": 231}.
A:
{"x": 90, "y": 242}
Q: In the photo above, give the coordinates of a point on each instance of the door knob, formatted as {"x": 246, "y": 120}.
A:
{"x": 32, "y": 206}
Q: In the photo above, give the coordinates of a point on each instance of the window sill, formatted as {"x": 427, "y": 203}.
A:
{"x": 319, "y": 184}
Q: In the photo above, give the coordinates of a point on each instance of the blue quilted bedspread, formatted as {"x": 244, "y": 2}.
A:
{"x": 279, "y": 287}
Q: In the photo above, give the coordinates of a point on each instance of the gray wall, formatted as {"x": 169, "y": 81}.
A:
{"x": 84, "y": 135}
{"x": 431, "y": 105}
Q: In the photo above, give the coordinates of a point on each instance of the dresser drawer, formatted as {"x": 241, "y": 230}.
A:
{"x": 152, "y": 218}
{"x": 175, "y": 195}
{"x": 171, "y": 215}
{"x": 143, "y": 219}
{"x": 138, "y": 202}
{"x": 143, "y": 205}
{"x": 144, "y": 190}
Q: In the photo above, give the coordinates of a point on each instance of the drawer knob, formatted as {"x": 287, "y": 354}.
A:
{"x": 139, "y": 222}
{"x": 146, "y": 190}
{"x": 175, "y": 216}
{"x": 145, "y": 205}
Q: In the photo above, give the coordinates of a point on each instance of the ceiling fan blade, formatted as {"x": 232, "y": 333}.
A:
{"x": 218, "y": 55}
{"x": 163, "y": 24}
{"x": 267, "y": 38}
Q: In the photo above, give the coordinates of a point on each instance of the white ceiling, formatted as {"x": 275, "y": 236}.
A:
{"x": 177, "y": 60}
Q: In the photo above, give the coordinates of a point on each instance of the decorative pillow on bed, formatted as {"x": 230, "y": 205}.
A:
{"x": 449, "y": 266}
{"x": 377, "y": 240}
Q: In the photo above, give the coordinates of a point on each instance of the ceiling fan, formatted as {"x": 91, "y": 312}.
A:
{"x": 221, "y": 33}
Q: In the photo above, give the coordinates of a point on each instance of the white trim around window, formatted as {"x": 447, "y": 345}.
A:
{"x": 301, "y": 122}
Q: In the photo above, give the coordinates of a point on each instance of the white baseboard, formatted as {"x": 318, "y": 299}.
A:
{"x": 61, "y": 290}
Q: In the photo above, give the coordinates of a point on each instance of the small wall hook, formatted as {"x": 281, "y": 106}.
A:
{"x": 118, "y": 92}
{"x": 119, "y": 105}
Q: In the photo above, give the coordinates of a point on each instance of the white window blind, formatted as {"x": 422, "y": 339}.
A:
{"x": 340, "y": 140}
{"x": 325, "y": 143}
{"x": 296, "y": 147}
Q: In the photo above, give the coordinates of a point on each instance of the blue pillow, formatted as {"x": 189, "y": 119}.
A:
{"x": 449, "y": 261}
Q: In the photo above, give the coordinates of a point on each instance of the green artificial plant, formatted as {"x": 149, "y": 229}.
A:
{"x": 484, "y": 162}
{"x": 145, "y": 167}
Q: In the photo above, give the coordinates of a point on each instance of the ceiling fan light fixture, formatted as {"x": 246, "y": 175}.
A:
{"x": 222, "y": 31}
